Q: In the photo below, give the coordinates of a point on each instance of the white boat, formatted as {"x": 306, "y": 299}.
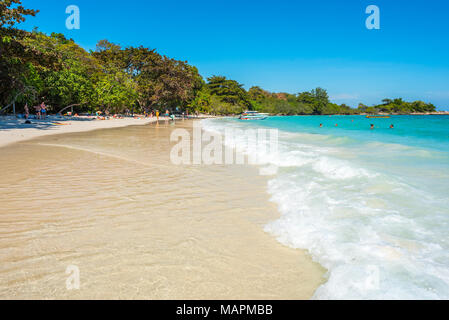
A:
{"x": 253, "y": 115}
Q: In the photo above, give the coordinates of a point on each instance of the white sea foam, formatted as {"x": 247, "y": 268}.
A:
{"x": 380, "y": 234}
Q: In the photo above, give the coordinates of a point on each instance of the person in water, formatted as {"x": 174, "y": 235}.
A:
{"x": 392, "y": 126}
{"x": 321, "y": 125}
{"x": 372, "y": 126}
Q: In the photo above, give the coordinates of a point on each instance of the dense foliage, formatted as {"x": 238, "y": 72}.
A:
{"x": 316, "y": 102}
{"x": 35, "y": 68}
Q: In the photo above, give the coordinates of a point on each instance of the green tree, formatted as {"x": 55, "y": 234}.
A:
{"x": 71, "y": 84}
{"x": 321, "y": 100}
{"x": 202, "y": 102}
{"x": 229, "y": 91}
{"x": 257, "y": 94}
{"x": 15, "y": 57}
{"x": 12, "y": 12}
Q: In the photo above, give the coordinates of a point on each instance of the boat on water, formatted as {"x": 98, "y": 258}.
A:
{"x": 253, "y": 115}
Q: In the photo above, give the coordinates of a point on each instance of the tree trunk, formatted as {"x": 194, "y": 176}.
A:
{"x": 70, "y": 106}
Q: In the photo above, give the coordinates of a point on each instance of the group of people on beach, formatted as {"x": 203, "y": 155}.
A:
{"x": 157, "y": 114}
{"x": 100, "y": 115}
{"x": 41, "y": 111}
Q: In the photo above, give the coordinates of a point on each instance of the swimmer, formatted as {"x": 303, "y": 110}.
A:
{"x": 321, "y": 125}
{"x": 392, "y": 126}
{"x": 372, "y": 126}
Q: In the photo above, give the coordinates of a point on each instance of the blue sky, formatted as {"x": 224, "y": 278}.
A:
{"x": 282, "y": 46}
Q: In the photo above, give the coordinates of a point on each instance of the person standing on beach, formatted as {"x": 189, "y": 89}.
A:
{"x": 157, "y": 115}
{"x": 27, "y": 111}
{"x": 167, "y": 115}
{"x": 38, "y": 112}
{"x": 43, "y": 110}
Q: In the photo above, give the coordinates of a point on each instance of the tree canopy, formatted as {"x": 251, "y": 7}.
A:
{"x": 12, "y": 12}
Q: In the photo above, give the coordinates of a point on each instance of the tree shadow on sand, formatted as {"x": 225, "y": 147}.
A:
{"x": 12, "y": 123}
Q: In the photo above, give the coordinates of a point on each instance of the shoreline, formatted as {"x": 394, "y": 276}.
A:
{"x": 442, "y": 113}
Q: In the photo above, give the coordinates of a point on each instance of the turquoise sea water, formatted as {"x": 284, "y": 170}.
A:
{"x": 372, "y": 206}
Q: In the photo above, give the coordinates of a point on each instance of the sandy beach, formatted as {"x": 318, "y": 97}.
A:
{"x": 111, "y": 203}
{"x": 14, "y": 130}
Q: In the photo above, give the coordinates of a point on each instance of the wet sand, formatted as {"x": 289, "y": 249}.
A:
{"x": 138, "y": 227}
